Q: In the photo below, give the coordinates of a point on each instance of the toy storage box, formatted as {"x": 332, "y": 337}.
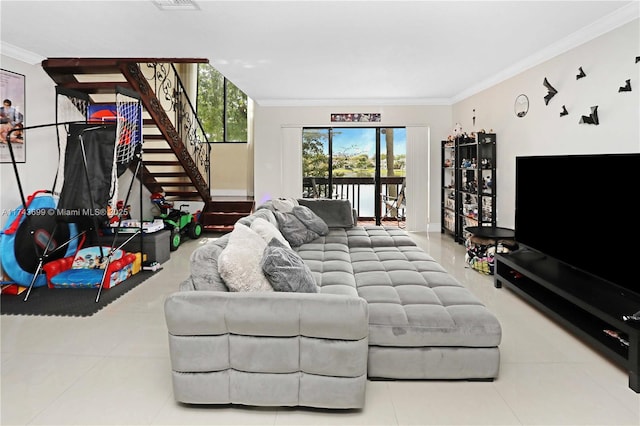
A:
{"x": 155, "y": 245}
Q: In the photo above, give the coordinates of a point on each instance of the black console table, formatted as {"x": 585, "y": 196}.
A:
{"x": 588, "y": 306}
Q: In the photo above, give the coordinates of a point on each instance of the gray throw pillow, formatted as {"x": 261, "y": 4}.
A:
{"x": 204, "y": 266}
{"x": 285, "y": 269}
{"x": 294, "y": 230}
{"x": 336, "y": 213}
{"x": 310, "y": 220}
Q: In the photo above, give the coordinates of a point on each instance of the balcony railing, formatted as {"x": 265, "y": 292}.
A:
{"x": 359, "y": 190}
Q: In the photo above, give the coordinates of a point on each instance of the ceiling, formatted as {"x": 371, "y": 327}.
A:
{"x": 321, "y": 52}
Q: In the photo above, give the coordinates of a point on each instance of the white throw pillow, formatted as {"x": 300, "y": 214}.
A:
{"x": 239, "y": 262}
{"x": 268, "y": 231}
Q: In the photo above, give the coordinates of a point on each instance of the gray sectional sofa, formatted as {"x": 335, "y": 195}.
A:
{"x": 383, "y": 309}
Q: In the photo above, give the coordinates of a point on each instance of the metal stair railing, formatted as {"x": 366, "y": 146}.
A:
{"x": 166, "y": 100}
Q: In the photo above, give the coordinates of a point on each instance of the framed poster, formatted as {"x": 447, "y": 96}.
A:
{"x": 12, "y": 93}
{"x": 356, "y": 117}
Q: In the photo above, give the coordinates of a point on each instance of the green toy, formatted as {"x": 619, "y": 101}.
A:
{"x": 179, "y": 222}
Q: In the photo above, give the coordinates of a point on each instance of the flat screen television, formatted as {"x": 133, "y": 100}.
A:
{"x": 580, "y": 210}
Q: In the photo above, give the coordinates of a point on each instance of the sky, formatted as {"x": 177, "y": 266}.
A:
{"x": 365, "y": 140}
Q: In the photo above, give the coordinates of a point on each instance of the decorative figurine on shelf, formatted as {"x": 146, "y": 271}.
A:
{"x": 447, "y": 162}
{"x": 474, "y": 163}
{"x": 486, "y": 184}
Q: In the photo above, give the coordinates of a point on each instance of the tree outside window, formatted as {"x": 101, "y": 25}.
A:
{"x": 221, "y": 107}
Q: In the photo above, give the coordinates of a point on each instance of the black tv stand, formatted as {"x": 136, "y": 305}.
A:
{"x": 588, "y": 306}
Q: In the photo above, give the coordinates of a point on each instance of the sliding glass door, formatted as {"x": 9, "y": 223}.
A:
{"x": 365, "y": 165}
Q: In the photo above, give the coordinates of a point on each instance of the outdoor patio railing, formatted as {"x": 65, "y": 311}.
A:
{"x": 359, "y": 190}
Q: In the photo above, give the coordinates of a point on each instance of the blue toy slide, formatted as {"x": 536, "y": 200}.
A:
{"x": 23, "y": 242}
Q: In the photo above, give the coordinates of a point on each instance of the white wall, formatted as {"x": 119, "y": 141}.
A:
{"x": 41, "y": 147}
{"x": 275, "y": 176}
{"x": 608, "y": 61}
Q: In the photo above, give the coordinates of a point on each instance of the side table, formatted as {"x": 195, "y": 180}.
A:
{"x": 482, "y": 246}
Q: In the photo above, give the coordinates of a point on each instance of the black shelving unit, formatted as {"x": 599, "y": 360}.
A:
{"x": 472, "y": 186}
{"x": 449, "y": 206}
{"x": 588, "y": 306}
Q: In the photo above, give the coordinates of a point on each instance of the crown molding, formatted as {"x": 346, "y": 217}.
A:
{"x": 20, "y": 54}
{"x": 602, "y": 26}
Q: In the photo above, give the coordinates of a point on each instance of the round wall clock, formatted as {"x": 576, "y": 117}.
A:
{"x": 522, "y": 105}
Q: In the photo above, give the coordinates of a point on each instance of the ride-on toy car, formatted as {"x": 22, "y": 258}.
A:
{"x": 179, "y": 222}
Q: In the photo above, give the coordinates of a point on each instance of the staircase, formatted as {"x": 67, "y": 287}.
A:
{"x": 220, "y": 214}
{"x": 176, "y": 153}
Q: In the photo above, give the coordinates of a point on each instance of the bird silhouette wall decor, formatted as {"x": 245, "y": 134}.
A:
{"x": 551, "y": 91}
{"x": 564, "y": 111}
{"x": 626, "y": 87}
{"x": 591, "y": 118}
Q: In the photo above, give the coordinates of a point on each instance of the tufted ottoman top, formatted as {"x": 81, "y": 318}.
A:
{"x": 414, "y": 302}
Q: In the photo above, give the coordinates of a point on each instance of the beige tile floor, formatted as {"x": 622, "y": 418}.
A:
{"x": 113, "y": 369}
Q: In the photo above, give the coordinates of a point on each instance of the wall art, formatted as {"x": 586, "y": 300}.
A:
{"x": 12, "y": 93}
{"x": 358, "y": 117}
{"x": 521, "y": 106}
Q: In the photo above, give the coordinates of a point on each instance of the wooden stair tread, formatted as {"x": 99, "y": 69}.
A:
{"x": 172, "y": 183}
{"x": 160, "y": 174}
{"x": 157, "y": 151}
{"x": 221, "y": 214}
{"x": 102, "y": 87}
{"x": 162, "y": 163}
{"x": 217, "y": 228}
{"x": 187, "y": 194}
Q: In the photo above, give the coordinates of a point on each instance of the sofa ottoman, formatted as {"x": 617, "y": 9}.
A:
{"x": 423, "y": 324}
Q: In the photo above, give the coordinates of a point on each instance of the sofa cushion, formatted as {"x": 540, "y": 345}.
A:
{"x": 335, "y": 213}
{"x": 239, "y": 262}
{"x": 285, "y": 269}
{"x": 329, "y": 261}
{"x": 268, "y": 231}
